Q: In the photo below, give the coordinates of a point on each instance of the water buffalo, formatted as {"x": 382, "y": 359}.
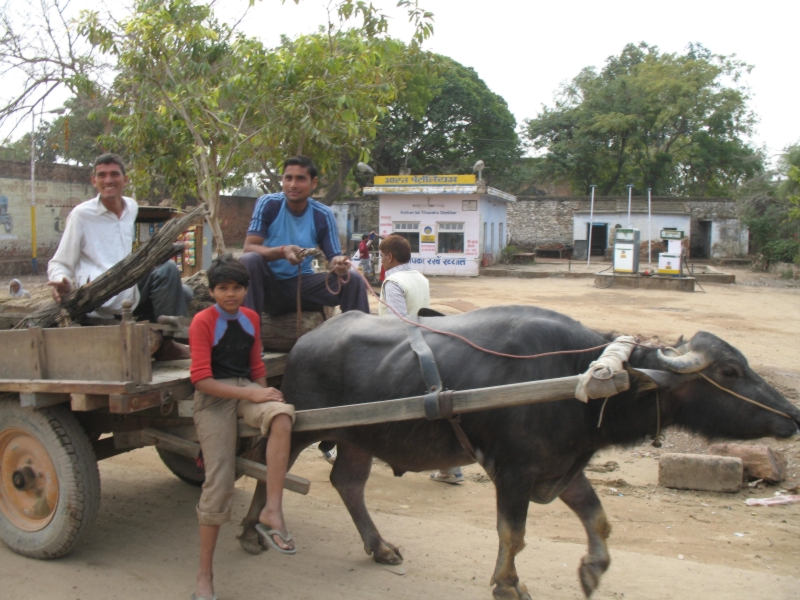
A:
{"x": 533, "y": 453}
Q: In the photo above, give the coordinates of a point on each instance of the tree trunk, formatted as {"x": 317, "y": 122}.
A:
{"x": 120, "y": 277}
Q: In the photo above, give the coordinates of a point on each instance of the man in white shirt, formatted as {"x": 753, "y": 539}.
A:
{"x": 97, "y": 235}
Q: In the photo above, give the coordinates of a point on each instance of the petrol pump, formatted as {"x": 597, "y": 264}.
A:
{"x": 669, "y": 262}
{"x": 626, "y": 251}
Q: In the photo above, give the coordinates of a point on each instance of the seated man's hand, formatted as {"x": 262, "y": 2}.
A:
{"x": 340, "y": 265}
{"x": 267, "y": 394}
{"x": 60, "y": 289}
{"x": 291, "y": 253}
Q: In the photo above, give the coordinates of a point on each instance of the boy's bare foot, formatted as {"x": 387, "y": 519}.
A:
{"x": 274, "y": 520}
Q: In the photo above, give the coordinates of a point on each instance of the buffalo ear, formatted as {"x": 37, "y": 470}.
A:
{"x": 651, "y": 379}
{"x": 429, "y": 312}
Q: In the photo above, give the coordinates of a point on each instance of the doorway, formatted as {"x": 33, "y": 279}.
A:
{"x": 701, "y": 243}
{"x": 599, "y": 238}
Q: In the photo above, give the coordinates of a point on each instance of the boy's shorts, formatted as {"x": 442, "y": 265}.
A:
{"x": 217, "y": 428}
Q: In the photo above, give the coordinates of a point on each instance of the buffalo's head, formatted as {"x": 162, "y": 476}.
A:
{"x": 704, "y": 382}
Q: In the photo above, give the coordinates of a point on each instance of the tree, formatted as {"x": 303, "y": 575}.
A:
{"x": 76, "y": 137}
{"x": 445, "y": 122}
{"x": 41, "y": 52}
{"x": 769, "y": 208}
{"x": 199, "y": 99}
{"x": 674, "y": 123}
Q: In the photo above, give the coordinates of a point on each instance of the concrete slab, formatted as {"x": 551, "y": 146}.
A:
{"x": 635, "y": 281}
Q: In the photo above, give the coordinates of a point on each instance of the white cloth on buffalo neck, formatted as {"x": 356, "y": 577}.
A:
{"x": 597, "y": 381}
{"x": 94, "y": 240}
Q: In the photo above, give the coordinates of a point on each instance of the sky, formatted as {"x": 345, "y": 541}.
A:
{"x": 524, "y": 49}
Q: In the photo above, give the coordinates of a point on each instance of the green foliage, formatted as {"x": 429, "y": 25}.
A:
{"x": 769, "y": 207}
{"x": 507, "y": 253}
{"x": 201, "y": 106}
{"x": 74, "y": 137}
{"x": 444, "y": 122}
{"x": 668, "y": 122}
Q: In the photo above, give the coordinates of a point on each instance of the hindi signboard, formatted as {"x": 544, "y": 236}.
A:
{"x": 395, "y": 180}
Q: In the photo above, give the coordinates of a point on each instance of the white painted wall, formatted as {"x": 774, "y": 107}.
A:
{"x": 639, "y": 221}
{"x": 428, "y": 211}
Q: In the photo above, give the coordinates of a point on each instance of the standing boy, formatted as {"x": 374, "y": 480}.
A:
{"x": 230, "y": 381}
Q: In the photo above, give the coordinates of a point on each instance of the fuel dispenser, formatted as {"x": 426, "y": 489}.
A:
{"x": 669, "y": 262}
{"x": 626, "y": 251}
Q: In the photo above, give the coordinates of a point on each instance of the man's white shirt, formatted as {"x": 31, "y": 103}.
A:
{"x": 94, "y": 240}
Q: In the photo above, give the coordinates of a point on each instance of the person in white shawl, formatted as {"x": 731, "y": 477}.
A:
{"x": 15, "y": 289}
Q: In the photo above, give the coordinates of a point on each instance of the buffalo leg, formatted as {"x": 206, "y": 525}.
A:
{"x": 349, "y": 477}
{"x": 513, "y": 496}
{"x": 580, "y": 497}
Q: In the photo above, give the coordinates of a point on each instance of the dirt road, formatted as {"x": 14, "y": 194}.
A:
{"x": 665, "y": 544}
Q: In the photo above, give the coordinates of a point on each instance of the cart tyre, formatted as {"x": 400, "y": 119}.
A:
{"x": 55, "y": 445}
{"x": 186, "y": 469}
{"x": 183, "y": 467}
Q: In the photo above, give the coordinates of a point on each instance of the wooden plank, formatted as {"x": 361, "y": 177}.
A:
{"x": 87, "y": 402}
{"x": 136, "y": 362}
{"x": 128, "y": 403}
{"x": 145, "y": 363}
{"x": 250, "y": 468}
{"x": 38, "y": 355}
{"x": 92, "y": 353}
{"x": 67, "y": 386}
{"x": 16, "y": 361}
{"x": 275, "y": 363}
{"x": 41, "y": 399}
{"x": 403, "y": 409}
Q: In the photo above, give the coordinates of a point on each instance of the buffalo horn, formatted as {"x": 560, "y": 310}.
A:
{"x": 691, "y": 362}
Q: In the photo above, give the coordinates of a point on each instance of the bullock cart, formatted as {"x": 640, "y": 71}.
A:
{"x": 72, "y": 396}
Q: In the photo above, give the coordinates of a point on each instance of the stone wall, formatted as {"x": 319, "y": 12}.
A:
{"x": 539, "y": 220}
{"x": 542, "y": 220}
{"x": 58, "y": 189}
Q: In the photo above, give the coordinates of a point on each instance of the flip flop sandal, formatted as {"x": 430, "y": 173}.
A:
{"x": 266, "y": 534}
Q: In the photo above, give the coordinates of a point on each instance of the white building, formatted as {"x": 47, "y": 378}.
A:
{"x": 453, "y": 223}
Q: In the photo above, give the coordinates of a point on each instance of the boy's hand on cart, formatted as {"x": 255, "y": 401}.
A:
{"x": 267, "y": 394}
{"x": 60, "y": 289}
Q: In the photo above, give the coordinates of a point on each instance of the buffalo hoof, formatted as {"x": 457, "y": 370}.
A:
{"x": 387, "y": 554}
{"x": 590, "y": 573}
{"x": 250, "y": 542}
{"x": 518, "y": 591}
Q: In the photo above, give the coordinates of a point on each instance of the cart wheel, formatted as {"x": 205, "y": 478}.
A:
{"x": 186, "y": 469}
{"x": 183, "y": 467}
{"x": 49, "y": 482}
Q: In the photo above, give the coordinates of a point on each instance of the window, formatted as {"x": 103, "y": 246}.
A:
{"x": 410, "y": 231}
{"x": 500, "y": 236}
{"x": 451, "y": 238}
{"x": 491, "y": 246}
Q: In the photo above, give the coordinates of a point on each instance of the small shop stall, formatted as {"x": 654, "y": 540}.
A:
{"x": 453, "y": 223}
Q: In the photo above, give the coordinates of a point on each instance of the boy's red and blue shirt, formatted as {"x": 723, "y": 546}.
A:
{"x": 225, "y": 345}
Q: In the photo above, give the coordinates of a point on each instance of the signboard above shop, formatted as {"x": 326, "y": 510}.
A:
{"x": 395, "y": 180}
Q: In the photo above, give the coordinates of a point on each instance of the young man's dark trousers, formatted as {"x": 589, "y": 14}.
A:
{"x": 273, "y": 296}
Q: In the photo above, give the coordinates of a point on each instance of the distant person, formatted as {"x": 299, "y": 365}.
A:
{"x": 15, "y": 289}
{"x": 97, "y": 235}
{"x": 406, "y": 290}
{"x": 364, "y": 255}
{"x": 230, "y": 382}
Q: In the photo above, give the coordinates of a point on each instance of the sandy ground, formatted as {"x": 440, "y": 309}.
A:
{"x": 665, "y": 544}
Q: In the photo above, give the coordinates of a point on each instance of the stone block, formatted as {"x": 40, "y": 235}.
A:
{"x": 760, "y": 461}
{"x": 700, "y": 472}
